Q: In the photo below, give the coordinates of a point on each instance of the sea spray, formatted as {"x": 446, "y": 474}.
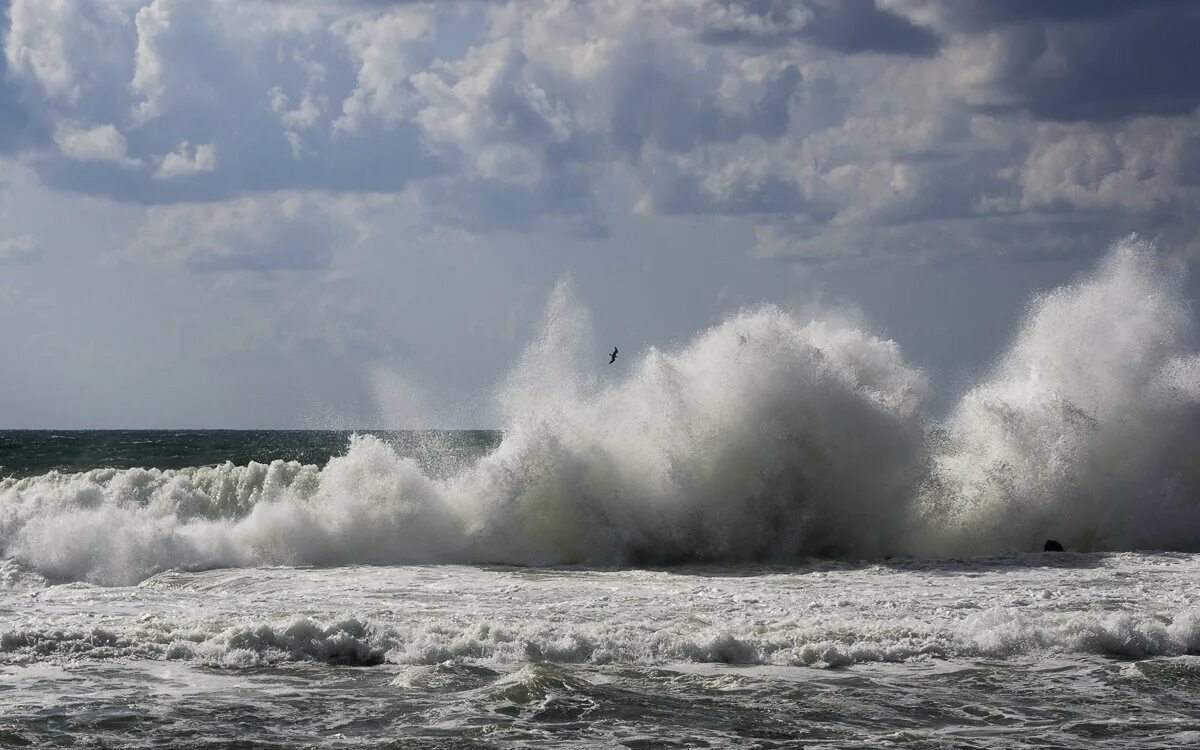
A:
{"x": 763, "y": 438}
{"x": 1085, "y": 431}
{"x": 766, "y": 437}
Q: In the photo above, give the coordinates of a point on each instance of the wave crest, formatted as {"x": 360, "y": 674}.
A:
{"x": 765, "y": 437}
{"x": 1087, "y": 429}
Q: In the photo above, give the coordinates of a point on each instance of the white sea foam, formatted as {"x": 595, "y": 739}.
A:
{"x": 996, "y": 635}
{"x": 765, "y": 437}
{"x": 824, "y": 615}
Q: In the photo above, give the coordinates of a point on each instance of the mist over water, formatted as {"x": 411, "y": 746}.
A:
{"x": 766, "y": 437}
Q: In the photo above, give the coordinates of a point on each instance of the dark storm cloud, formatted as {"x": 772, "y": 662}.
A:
{"x": 984, "y": 15}
{"x": 848, "y": 26}
{"x": 853, "y": 26}
{"x": 1079, "y": 60}
{"x": 1140, "y": 64}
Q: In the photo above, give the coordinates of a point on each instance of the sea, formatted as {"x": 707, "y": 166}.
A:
{"x": 760, "y": 537}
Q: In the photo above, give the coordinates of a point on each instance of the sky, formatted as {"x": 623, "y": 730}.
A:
{"x": 257, "y": 213}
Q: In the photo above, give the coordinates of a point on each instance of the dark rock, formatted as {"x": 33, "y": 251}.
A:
{"x": 1052, "y": 545}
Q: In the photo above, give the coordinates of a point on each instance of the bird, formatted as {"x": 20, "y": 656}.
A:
{"x": 613, "y": 356}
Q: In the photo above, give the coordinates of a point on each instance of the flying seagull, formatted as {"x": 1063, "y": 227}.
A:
{"x": 613, "y": 356}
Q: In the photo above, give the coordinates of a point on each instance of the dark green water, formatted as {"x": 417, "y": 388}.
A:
{"x": 25, "y": 453}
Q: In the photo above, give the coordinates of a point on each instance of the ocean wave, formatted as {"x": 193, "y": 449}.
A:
{"x": 1087, "y": 429}
{"x": 766, "y": 437}
{"x": 998, "y": 633}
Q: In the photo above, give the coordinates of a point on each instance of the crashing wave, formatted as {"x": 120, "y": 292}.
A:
{"x": 766, "y": 437}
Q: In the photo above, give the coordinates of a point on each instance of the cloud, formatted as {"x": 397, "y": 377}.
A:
{"x": 855, "y": 26}
{"x": 153, "y": 22}
{"x": 1028, "y": 236}
{"x": 386, "y": 50}
{"x": 186, "y": 161}
{"x": 1069, "y": 61}
{"x": 848, "y": 26}
{"x": 976, "y": 16}
{"x": 252, "y": 80}
{"x": 280, "y": 232}
{"x": 17, "y": 126}
{"x": 22, "y": 249}
{"x": 824, "y": 117}
{"x": 103, "y": 143}
{"x": 67, "y": 50}
{"x": 38, "y": 42}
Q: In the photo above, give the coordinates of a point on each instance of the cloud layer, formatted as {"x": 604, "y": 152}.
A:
{"x": 838, "y": 130}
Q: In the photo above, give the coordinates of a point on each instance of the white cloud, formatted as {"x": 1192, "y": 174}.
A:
{"x": 524, "y": 115}
{"x": 481, "y": 111}
{"x": 1132, "y": 169}
{"x": 38, "y": 44}
{"x": 303, "y": 116}
{"x": 23, "y": 249}
{"x": 383, "y": 48}
{"x": 152, "y": 23}
{"x": 103, "y": 143}
{"x": 186, "y": 161}
{"x": 286, "y": 231}
{"x": 66, "y": 48}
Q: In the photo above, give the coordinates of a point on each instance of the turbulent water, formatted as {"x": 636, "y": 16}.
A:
{"x": 676, "y": 555}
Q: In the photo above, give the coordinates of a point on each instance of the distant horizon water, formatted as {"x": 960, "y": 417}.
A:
{"x": 25, "y": 453}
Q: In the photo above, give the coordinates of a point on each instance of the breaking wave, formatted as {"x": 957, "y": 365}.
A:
{"x": 764, "y": 438}
{"x": 992, "y": 634}
{"x": 1088, "y": 428}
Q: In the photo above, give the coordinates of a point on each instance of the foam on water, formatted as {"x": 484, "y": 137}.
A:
{"x": 993, "y": 635}
{"x": 822, "y": 615}
{"x": 766, "y": 437}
